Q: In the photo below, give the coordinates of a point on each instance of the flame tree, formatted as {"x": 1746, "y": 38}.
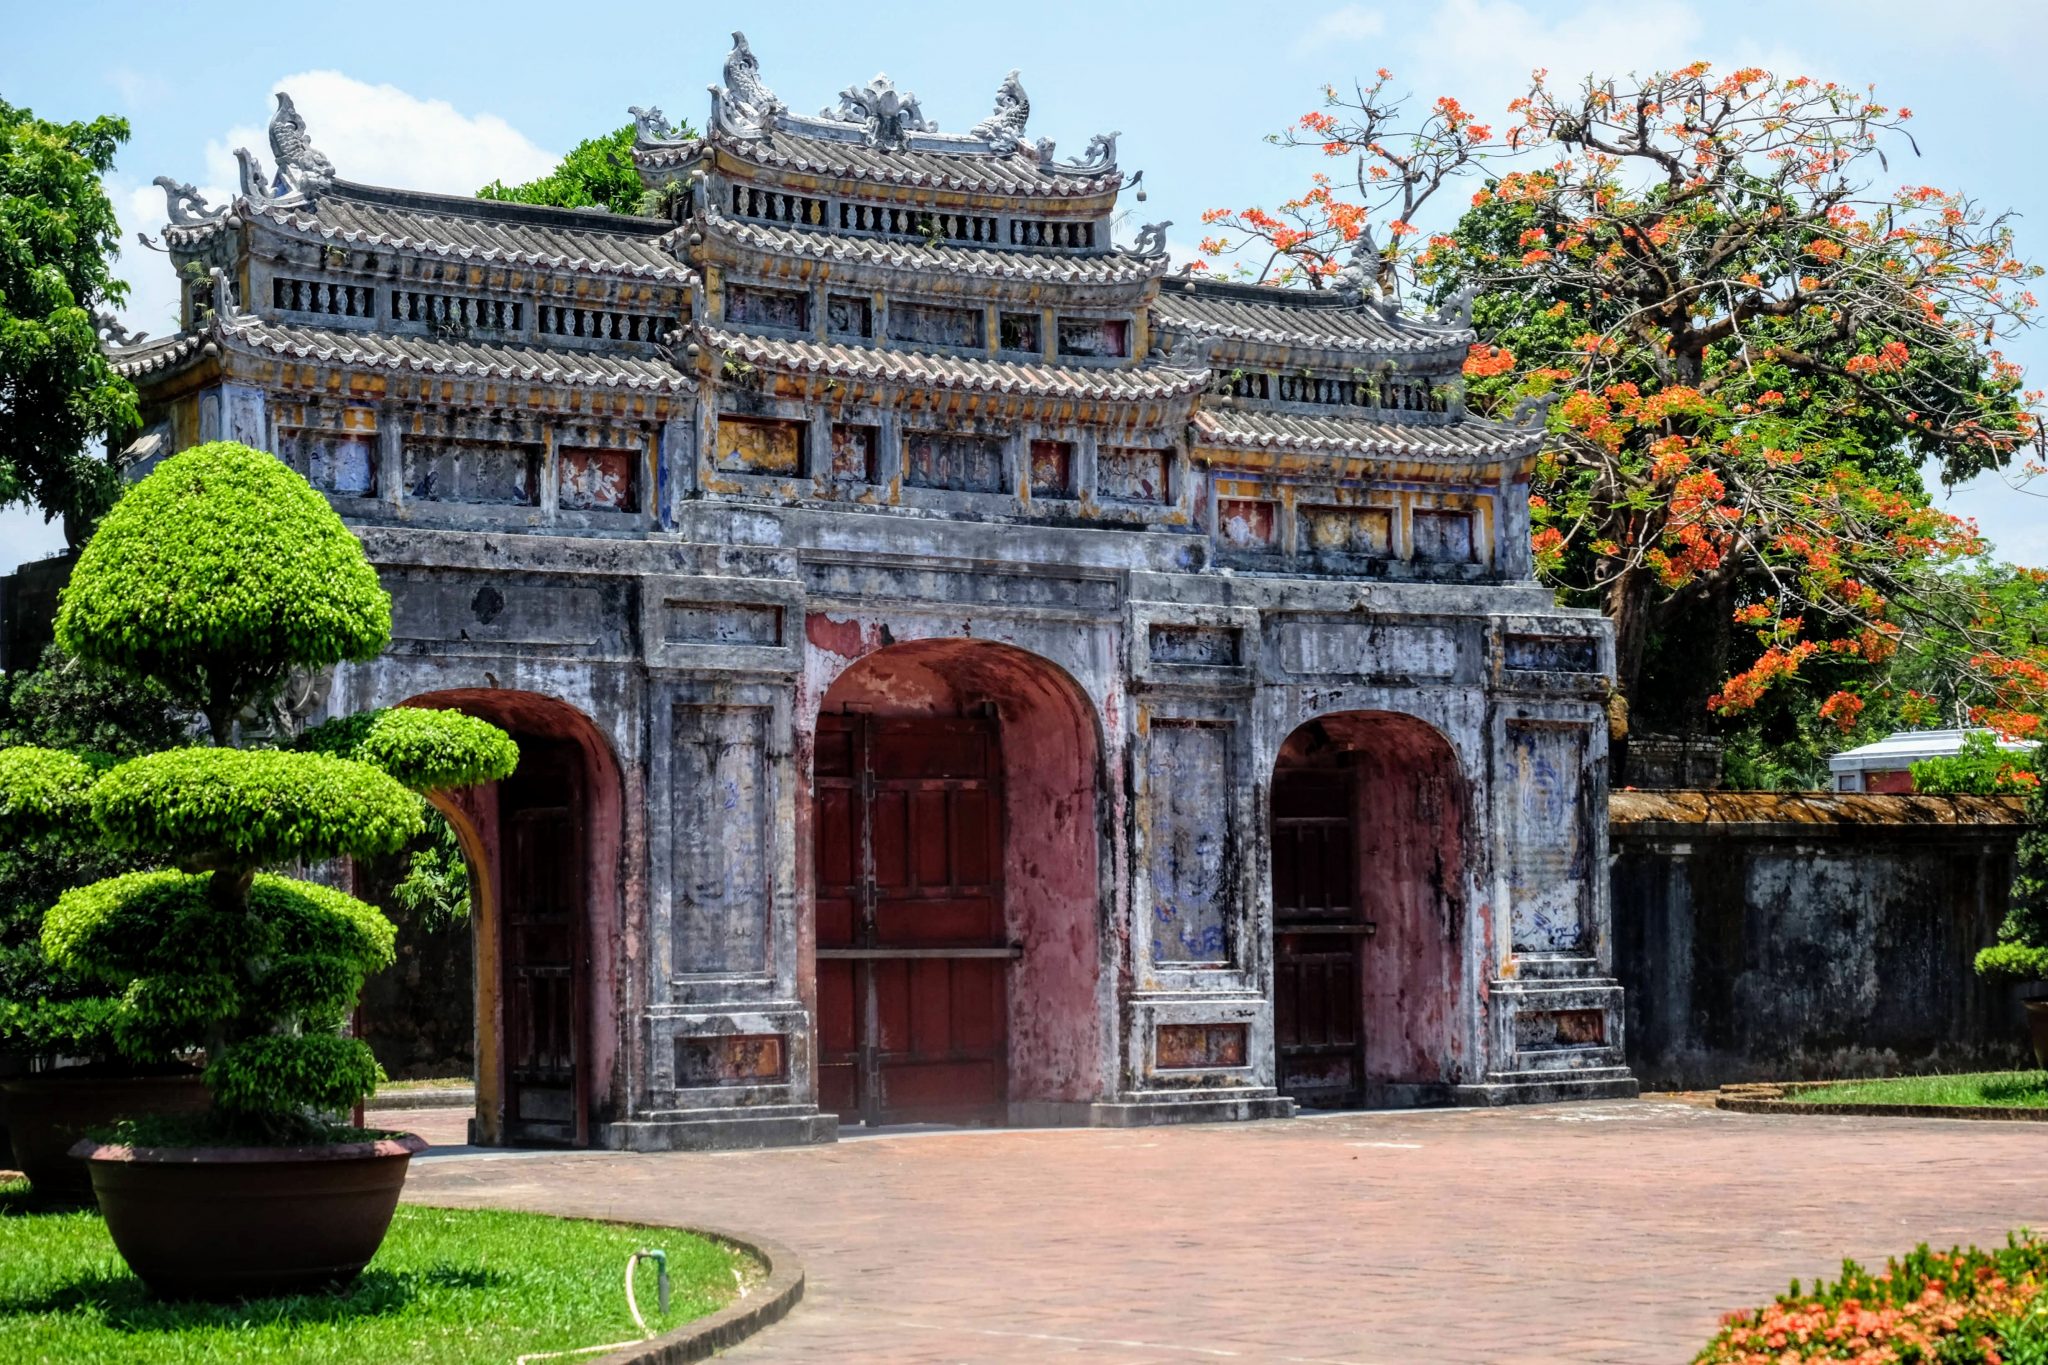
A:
{"x": 1750, "y": 349}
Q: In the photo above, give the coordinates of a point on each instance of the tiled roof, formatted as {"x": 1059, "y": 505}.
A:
{"x": 1471, "y": 438}
{"x": 970, "y": 172}
{"x": 1265, "y": 313}
{"x": 483, "y": 230}
{"x": 951, "y": 372}
{"x": 377, "y": 350}
{"x": 939, "y": 258}
{"x": 156, "y": 355}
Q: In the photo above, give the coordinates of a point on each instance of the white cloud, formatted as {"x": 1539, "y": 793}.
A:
{"x": 374, "y": 134}
{"x": 139, "y": 87}
{"x": 1348, "y": 24}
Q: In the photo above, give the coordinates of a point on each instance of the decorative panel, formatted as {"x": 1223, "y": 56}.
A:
{"x": 1368, "y": 650}
{"x": 731, "y": 1059}
{"x": 721, "y": 809}
{"x": 849, "y": 315}
{"x": 938, "y": 459}
{"x": 1089, "y": 337}
{"x": 1548, "y": 827}
{"x": 1018, "y": 332}
{"x": 853, "y": 452}
{"x": 1560, "y": 1029}
{"x": 472, "y": 472}
{"x": 750, "y": 445}
{"x": 1443, "y": 537}
{"x": 339, "y": 462}
{"x": 754, "y": 307}
{"x": 1210, "y": 646}
{"x": 597, "y": 480}
{"x": 1552, "y": 654}
{"x": 1131, "y": 473}
{"x": 1244, "y": 525}
{"x": 930, "y": 325}
{"x": 721, "y": 623}
{"x": 1052, "y": 469}
{"x": 1366, "y": 532}
{"x": 1191, "y": 858}
{"x": 1188, "y": 1047}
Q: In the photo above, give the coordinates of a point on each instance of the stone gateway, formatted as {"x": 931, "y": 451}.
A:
{"x": 963, "y": 672}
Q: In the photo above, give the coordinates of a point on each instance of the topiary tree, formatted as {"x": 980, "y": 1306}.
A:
{"x": 2022, "y": 948}
{"x": 218, "y": 576}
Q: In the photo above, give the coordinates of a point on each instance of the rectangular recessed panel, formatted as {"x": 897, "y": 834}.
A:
{"x": 1549, "y": 852}
{"x": 731, "y": 1059}
{"x": 1443, "y": 537}
{"x": 1192, "y": 861}
{"x": 750, "y": 306}
{"x": 597, "y": 480}
{"x": 1358, "y": 532}
{"x": 1187, "y": 1047}
{"x": 853, "y": 452}
{"x": 1209, "y": 646}
{"x": 1052, "y": 469}
{"x": 1560, "y": 1029}
{"x": 1552, "y": 654}
{"x": 721, "y": 623}
{"x": 749, "y": 445}
{"x": 933, "y": 325}
{"x": 849, "y": 315}
{"x": 964, "y": 463}
{"x": 1131, "y": 474}
{"x": 1246, "y": 525}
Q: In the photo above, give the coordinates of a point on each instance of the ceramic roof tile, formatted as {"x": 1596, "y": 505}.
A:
{"x": 1264, "y": 313}
{"x": 378, "y": 350}
{"x": 973, "y": 172}
{"x": 1470, "y": 438}
{"x": 942, "y": 258}
{"x": 958, "y": 372}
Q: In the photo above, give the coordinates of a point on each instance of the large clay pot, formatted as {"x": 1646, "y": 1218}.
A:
{"x": 2034, "y": 995}
{"x": 244, "y": 1222}
{"x": 50, "y": 1111}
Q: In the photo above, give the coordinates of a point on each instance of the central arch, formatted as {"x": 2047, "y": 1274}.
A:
{"x": 956, "y": 894}
{"x": 1368, "y": 912}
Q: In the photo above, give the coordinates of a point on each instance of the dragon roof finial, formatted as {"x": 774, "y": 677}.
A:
{"x": 1003, "y": 130}
{"x": 301, "y": 167}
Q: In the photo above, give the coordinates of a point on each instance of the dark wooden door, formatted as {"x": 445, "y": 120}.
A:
{"x": 542, "y": 927}
{"x": 912, "y": 958}
{"x": 1319, "y": 933}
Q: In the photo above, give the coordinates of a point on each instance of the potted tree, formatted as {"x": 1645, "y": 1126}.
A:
{"x": 2021, "y": 952}
{"x": 220, "y": 576}
{"x": 65, "y": 1072}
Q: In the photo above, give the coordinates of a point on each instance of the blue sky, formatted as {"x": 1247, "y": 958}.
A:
{"x": 447, "y": 96}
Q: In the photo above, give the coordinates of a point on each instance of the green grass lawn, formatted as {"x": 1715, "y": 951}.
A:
{"x": 2004, "y": 1089}
{"x": 447, "y": 1286}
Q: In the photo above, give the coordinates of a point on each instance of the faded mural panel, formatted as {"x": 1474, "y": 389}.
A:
{"x": 721, "y": 811}
{"x": 1548, "y": 852}
{"x": 1188, "y": 773}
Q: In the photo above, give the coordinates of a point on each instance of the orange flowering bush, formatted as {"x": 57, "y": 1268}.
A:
{"x": 1958, "y": 1307}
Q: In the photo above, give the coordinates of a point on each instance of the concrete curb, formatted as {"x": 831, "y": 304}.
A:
{"x": 448, "y": 1097}
{"x": 769, "y": 1303}
{"x": 1773, "y": 1099}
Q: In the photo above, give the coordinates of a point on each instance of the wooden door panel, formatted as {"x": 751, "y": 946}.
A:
{"x": 910, "y": 812}
{"x": 541, "y": 937}
{"x": 1318, "y": 935}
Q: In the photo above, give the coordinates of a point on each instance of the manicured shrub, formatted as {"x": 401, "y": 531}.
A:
{"x": 1958, "y": 1307}
{"x": 219, "y": 574}
{"x": 1978, "y": 768}
{"x": 421, "y": 748}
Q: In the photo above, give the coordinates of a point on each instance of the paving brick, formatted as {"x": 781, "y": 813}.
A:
{"x": 1596, "y": 1233}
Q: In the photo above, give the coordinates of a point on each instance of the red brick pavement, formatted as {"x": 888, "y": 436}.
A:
{"x": 1593, "y": 1233}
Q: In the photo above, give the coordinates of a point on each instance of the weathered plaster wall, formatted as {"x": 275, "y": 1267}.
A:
{"x": 1769, "y": 937}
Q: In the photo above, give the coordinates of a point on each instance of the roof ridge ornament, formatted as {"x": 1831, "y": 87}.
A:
{"x": 1003, "y": 130}
{"x": 888, "y": 115}
{"x": 1099, "y": 159}
{"x": 651, "y": 127}
{"x": 183, "y": 204}
{"x": 301, "y": 167}
{"x": 256, "y": 184}
{"x": 1151, "y": 239}
{"x": 743, "y": 106}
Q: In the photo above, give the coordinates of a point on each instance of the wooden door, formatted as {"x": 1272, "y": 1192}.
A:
{"x": 912, "y": 958}
{"x": 541, "y": 904}
{"x": 1319, "y": 933}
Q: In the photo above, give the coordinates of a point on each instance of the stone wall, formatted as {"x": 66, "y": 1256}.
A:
{"x": 1767, "y": 936}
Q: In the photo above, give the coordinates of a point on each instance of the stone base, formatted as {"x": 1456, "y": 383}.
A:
{"x": 1550, "y": 1087}
{"x": 720, "y": 1130}
{"x": 1147, "y": 1110}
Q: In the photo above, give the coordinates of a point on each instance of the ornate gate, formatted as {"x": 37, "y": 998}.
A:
{"x": 541, "y": 905}
{"x": 912, "y": 958}
{"x": 1319, "y": 933}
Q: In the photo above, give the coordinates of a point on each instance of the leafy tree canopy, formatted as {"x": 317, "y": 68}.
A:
{"x": 1747, "y": 347}
{"x": 58, "y": 396}
{"x": 597, "y": 173}
{"x": 217, "y": 575}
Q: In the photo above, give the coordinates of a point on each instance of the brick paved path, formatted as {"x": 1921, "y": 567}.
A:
{"x": 1609, "y": 1232}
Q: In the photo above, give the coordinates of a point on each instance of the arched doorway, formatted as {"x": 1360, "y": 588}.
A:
{"x": 955, "y": 880}
{"x": 543, "y": 849}
{"x": 1368, "y": 912}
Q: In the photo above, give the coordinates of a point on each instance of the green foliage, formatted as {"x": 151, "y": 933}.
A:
{"x": 448, "y": 1287}
{"x": 434, "y": 891}
{"x": 263, "y": 982}
{"x": 206, "y": 808}
{"x": 426, "y": 750}
{"x": 61, "y": 397}
{"x": 2022, "y": 947}
{"x": 66, "y": 703}
{"x": 1979, "y": 768}
{"x": 42, "y": 790}
{"x": 219, "y": 574}
{"x": 597, "y": 173}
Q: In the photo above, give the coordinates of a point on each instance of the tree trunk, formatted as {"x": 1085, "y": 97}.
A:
{"x": 1628, "y": 607}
